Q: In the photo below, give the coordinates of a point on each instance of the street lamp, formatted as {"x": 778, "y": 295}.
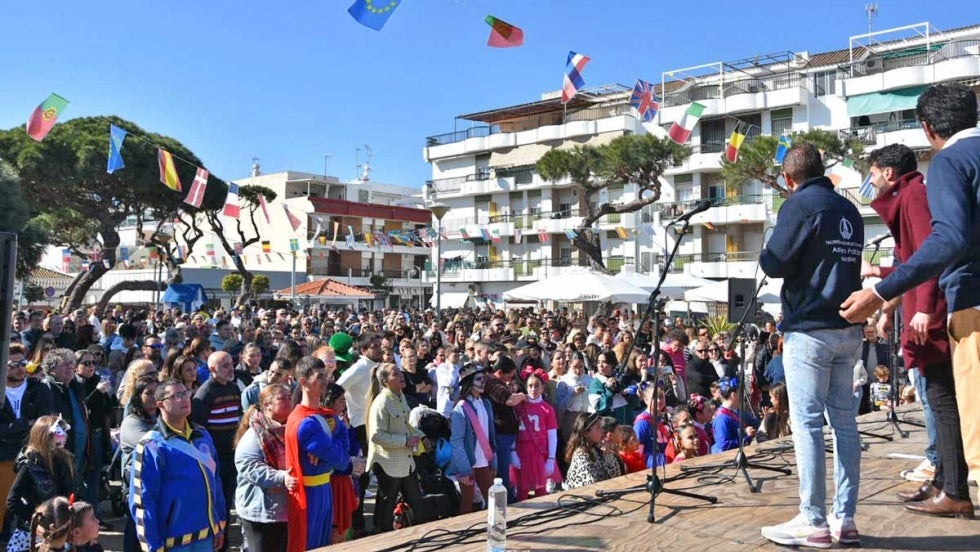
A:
{"x": 417, "y": 271}
{"x": 439, "y": 210}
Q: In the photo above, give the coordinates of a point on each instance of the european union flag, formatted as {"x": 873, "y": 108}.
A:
{"x": 784, "y": 144}
{"x": 373, "y": 13}
{"x": 116, "y": 137}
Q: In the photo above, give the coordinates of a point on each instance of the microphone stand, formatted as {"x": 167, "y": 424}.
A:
{"x": 893, "y": 346}
{"x": 740, "y": 462}
{"x": 654, "y": 484}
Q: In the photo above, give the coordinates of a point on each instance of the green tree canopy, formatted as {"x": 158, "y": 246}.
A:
{"x": 65, "y": 178}
{"x": 636, "y": 159}
{"x": 33, "y": 232}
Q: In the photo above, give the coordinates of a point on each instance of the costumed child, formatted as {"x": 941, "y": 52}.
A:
{"x": 686, "y": 442}
{"x": 533, "y": 456}
{"x": 313, "y": 451}
{"x": 44, "y": 471}
{"x": 651, "y": 427}
{"x": 725, "y": 426}
{"x": 342, "y": 481}
{"x": 631, "y": 452}
{"x": 474, "y": 458}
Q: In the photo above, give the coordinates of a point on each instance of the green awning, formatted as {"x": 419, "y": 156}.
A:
{"x": 883, "y": 102}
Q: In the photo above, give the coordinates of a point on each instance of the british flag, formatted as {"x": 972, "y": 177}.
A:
{"x": 644, "y": 101}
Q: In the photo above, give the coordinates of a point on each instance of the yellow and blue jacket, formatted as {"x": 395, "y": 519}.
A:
{"x": 175, "y": 491}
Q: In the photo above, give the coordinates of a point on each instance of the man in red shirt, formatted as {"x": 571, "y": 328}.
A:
{"x": 903, "y": 206}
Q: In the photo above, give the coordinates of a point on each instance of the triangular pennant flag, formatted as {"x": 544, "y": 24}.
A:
{"x": 734, "y": 144}
{"x": 502, "y": 34}
{"x": 265, "y": 208}
{"x": 867, "y": 189}
{"x": 293, "y": 221}
{"x": 680, "y": 131}
{"x": 168, "y": 172}
{"x": 644, "y": 101}
{"x": 116, "y": 138}
{"x": 785, "y": 142}
{"x": 200, "y": 184}
{"x": 45, "y": 116}
{"x": 231, "y": 209}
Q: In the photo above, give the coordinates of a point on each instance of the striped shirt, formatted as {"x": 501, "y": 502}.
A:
{"x": 218, "y": 407}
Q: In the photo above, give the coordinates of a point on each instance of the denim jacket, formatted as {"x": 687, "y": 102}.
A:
{"x": 260, "y": 496}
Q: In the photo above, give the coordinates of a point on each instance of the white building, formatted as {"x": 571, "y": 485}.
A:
{"x": 486, "y": 172}
{"x": 362, "y": 205}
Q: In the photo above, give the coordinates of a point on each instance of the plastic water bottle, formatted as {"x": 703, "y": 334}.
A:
{"x": 497, "y": 517}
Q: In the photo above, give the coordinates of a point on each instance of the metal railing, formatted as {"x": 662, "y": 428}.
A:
{"x": 868, "y": 134}
{"x": 678, "y": 208}
{"x": 522, "y": 267}
{"x": 752, "y": 85}
{"x": 338, "y": 271}
{"x": 915, "y": 56}
{"x": 530, "y": 123}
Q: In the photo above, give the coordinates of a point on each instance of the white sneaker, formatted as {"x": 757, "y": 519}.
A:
{"x": 799, "y": 532}
{"x": 843, "y": 530}
{"x": 925, "y": 471}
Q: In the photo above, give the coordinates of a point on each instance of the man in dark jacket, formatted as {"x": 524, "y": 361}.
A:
{"x": 816, "y": 248}
{"x": 874, "y": 351}
{"x": 26, "y": 400}
{"x": 68, "y": 400}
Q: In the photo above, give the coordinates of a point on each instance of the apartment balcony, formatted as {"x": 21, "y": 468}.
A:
{"x": 908, "y": 132}
{"x": 736, "y": 96}
{"x": 916, "y": 66}
{"x": 731, "y": 264}
{"x": 725, "y": 210}
{"x": 704, "y": 157}
{"x": 514, "y": 269}
{"x": 531, "y": 130}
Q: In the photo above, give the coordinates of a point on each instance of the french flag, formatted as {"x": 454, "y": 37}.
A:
{"x": 573, "y": 76}
{"x": 231, "y": 202}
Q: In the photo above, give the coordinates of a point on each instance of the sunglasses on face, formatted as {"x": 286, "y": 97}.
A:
{"x": 87, "y": 363}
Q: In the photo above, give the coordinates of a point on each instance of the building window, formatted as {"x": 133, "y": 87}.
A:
{"x": 713, "y": 136}
{"x": 524, "y": 176}
{"x": 782, "y": 121}
{"x": 363, "y": 196}
{"x": 825, "y": 83}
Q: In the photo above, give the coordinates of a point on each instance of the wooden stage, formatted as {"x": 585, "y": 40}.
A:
{"x": 731, "y": 524}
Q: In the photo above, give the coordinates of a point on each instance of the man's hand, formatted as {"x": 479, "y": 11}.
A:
{"x": 920, "y": 327}
{"x": 219, "y": 540}
{"x": 884, "y": 324}
{"x": 860, "y": 305}
{"x": 869, "y": 270}
{"x": 292, "y": 482}
{"x": 412, "y": 441}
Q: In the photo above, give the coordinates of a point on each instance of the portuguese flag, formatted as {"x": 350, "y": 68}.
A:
{"x": 680, "y": 131}
{"x": 503, "y": 34}
{"x": 45, "y": 116}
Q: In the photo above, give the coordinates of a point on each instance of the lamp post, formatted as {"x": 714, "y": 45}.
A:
{"x": 439, "y": 210}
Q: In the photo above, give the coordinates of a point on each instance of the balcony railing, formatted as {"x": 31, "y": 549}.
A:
{"x": 857, "y": 199}
{"x": 523, "y": 267}
{"x": 868, "y": 134}
{"x": 678, "y": 208}
{"x": 918, "y": 55}
{"x": 870, "y": 255}
{"x": 455, "y": 184}
{"x": 530, "y": 123}
{"x": 752, "y": 85}
{"x": 352, "y": 272}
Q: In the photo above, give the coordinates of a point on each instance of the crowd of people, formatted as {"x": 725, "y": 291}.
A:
{"x": 288, "y": 416}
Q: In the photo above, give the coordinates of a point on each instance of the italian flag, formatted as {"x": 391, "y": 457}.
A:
{"x": 680, "y": 131}
{"x": 45, "y": 116}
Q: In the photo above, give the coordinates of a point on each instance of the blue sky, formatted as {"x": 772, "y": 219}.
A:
{"x": 288, "y": 81}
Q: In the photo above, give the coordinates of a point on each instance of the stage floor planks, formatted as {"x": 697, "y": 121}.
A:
{"x": 733, "y": 522}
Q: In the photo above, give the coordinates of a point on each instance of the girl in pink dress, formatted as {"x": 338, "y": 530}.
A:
{"x": 533, "y": 457}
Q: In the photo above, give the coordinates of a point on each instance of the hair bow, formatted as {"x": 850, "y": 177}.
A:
{"x": 727, "y": 384}
{"x": 529, "y": 370}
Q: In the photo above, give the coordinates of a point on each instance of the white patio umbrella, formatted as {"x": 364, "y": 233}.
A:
{"x": 578, "y": 287}
{"x": 674, "y": 285}
{"x": 717, "y": 292}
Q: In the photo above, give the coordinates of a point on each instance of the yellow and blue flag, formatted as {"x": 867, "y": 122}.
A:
{"x": 373, "y": 14}
{"x": 784, "y": 144}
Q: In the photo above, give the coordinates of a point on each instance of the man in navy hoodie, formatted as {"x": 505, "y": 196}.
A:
{"x": 948, "y": 114}
{"x": 816, "y": 248}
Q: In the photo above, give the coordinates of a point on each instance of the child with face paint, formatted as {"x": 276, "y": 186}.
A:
{"x": 533, "y": 457}
{"x": 44, "y": 471}
{"x": 474, "y": 457}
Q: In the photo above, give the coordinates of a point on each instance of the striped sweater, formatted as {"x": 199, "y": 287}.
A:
{"x": 218, "y": 407}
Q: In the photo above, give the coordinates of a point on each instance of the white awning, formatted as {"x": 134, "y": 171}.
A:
{"x": 452, "y": 299}
{"x": 519, "y": 156}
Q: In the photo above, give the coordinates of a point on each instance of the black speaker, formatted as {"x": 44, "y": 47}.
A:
{"x": 740, "y": 293}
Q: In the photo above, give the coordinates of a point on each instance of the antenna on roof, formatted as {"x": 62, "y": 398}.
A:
{"x": 871, "y": 10}
{"x": 368, "y": 155}
{"x": 256, "y": 170}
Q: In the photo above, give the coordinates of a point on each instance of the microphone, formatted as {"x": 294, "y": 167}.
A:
{"x": 701, "y": 207}
{"x": 876, "y": 241}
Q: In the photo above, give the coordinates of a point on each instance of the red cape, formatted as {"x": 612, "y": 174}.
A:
{"x": 297, "y": 499}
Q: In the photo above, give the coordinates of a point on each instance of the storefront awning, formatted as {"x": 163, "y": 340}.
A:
{"x": 883, "y": 102}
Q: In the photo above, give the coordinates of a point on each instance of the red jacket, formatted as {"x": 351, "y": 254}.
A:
{"x": 905, "y": 210}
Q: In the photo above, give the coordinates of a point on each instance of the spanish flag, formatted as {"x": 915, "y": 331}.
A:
{"x": 168, "y": 172}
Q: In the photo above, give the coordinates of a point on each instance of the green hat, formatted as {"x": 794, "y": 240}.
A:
{"x": 341, "y": 344}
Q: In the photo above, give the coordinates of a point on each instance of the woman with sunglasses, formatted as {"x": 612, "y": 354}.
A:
{"x": 101, "y": 408}
{"x": 588, "y": 461}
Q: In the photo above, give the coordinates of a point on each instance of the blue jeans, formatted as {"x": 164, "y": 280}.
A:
{"x": 504, "y": 443}
{"x": 819, "y": 369}
{"x": 932, "y": 450}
